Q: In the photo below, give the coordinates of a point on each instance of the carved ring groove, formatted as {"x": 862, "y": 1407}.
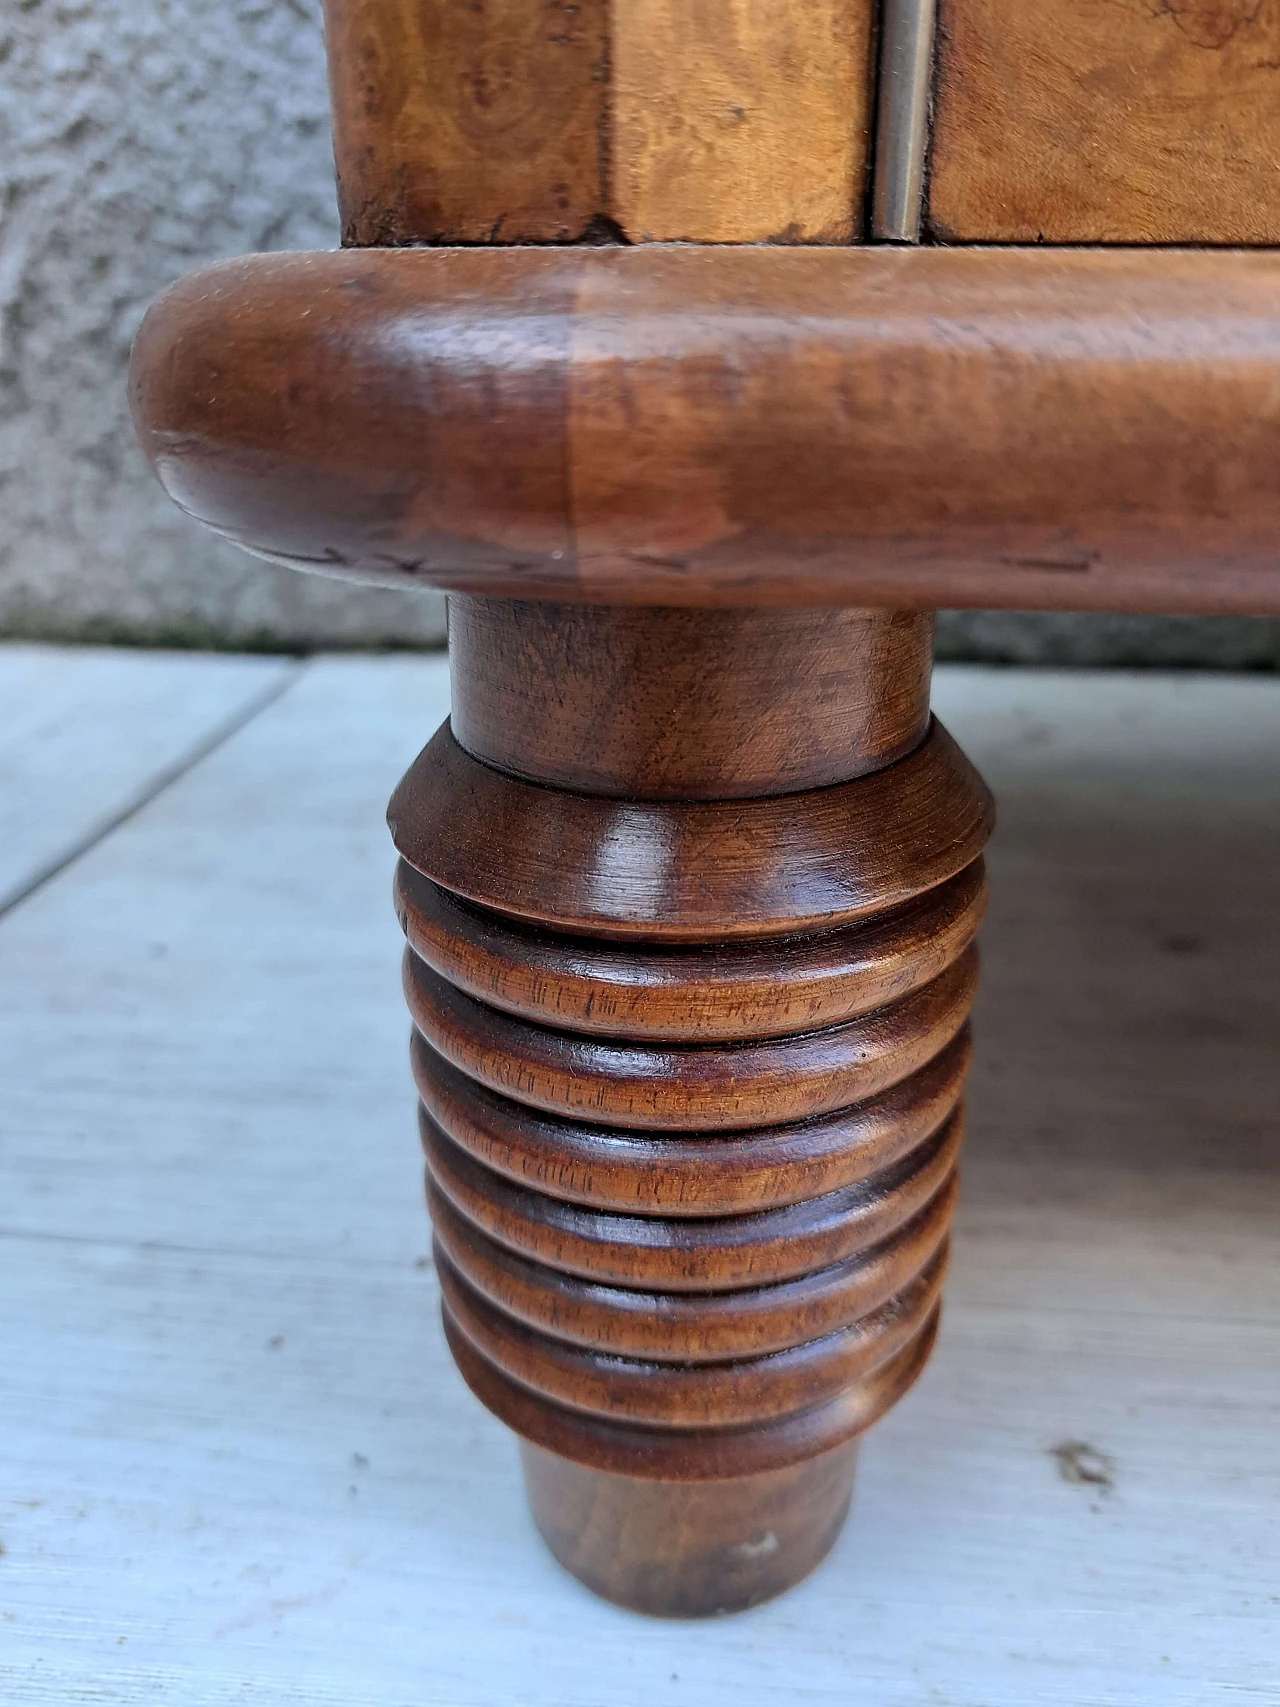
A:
{"x": 690, "y": 1077}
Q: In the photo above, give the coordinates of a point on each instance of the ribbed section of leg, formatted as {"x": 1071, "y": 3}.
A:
{"x": 692, "y": 1185}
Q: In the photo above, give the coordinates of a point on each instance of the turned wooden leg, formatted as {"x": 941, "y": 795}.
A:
{"x": 690, "y": 899}
{"x": 691, "y": 894}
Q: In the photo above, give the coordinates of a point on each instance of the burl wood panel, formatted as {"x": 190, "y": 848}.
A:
{"x": 690, "y": 1067}
{"x": 467, "y": 121}
{"x": 550, "y": 121}
{"x": 1107, "y": 121}
{"x": 742, "y": 121}
{"x": 679, "y": 425}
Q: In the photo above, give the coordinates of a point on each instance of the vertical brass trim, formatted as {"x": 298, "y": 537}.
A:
{"x": 902, "y": 126}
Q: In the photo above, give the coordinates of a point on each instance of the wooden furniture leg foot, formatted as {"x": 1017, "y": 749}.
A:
{"x": 690, "y": 899}
{"x": 689, "y": 1549}
{"x": 691, "y": 894}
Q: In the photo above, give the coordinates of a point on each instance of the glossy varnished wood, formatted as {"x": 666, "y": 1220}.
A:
{"x": 688, "y": 1173}
{"x": 1084, "y": 121}
{"x": 679, "y": 1327}
{"x": 690, "y": 901}
{"x": 706, "y": 1087}
{"x": 681, "y": 1254}
{"x": 684, "y": 425}
{"x": 683, "y": 704}
{"x": 667, "y": 871}
{"x": 689, "y": 1550}
{"x": 691, "y": 1455}
{"x": 700, "y": 994}
{"x": 690, "y": 1067}
{"x": 741, "y": 1393}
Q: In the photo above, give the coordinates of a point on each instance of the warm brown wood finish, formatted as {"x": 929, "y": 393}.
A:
{"x": 770, "y": 989}
{"x": 689, "y": 1550}
{"x": 687, "y": 705}
{"x": 516, "y": 121}
{"x": 712, "y": 1088}
{"x": 684, "y": 1254}
{"x": 468, "y": 121}
{"x": 674, "y": 1327}
{"x": 1092, "y": 121}
{"x": 1016, "y": 428}
{"x": 692, "y": 881}
{"x": 689, "y": 1173}
{"x": 742, "y": 122}
{"x": 691, "y": 1152}
{"x": 743, "y": 1393}
{"x": 691, "y": 1455}
{"x": 697, "y": 871}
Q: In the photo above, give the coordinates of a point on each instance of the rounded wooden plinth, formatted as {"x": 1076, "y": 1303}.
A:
{"x": 689, "y": 1549}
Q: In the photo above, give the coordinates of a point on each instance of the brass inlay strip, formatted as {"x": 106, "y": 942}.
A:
{"x": 902, "y": 129}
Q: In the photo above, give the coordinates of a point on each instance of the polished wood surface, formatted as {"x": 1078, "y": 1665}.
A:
{"x": 691, "y": 1456}
{"x": 1083, "y": 121}
{"x": 681, "y": 704}
{"x": 219, "y": 1160}
{"x": 556, "y": 122}
{"x": 689, "y": 1173}
{"x": 691, "y": 895}
{"x": 467, "y": 123}
{"x": 689, "y": 1550}
{"x": 690, "y": 1069}
{"x": 674, "y": 1327}
{"x": 682, "y": 425}
{"x": 710, "y": 1087}
{"x": 744, "y": 1393}
{"x": 686, "y": 1254}
{"x": 770, "y": 989}
{"x": 691, "y": 871}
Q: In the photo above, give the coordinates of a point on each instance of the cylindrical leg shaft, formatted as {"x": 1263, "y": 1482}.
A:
{"x": 690, "y": 899}
{"x": 690, "y": 1549}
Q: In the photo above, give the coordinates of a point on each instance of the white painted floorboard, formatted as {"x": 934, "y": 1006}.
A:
{"x": 237, "y": 1464}
{"x": 86, "y": 734}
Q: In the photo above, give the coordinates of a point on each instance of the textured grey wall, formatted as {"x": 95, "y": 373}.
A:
{"x": 1171, "y": 642}
{"x": 139, "y": 138}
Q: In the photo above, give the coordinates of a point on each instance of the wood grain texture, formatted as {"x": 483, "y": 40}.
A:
{"x": 718, "y": 1254}
{"x": 690, "y": 995}
{"x": 741, "y": 122}
{"x": 704, "y": 1087}
{"x": 467, "y": 121}
{"x": 674, "y": 1327}
{"x": 700, "y": 871}
{"x": 691, "y": 1455}
{"x": 686, "y": 705}
{"x": 743, "y": 1393}
{"x": 682, "y": 1550}
{"x": 1106, "y": 121}
{"x": 501, "y": 121}
{"x": 206, "y": 1154}
{"x": 677, "y": 425}
{"x": 688, "y": 1173}
{"x": 691, "y": 1153}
